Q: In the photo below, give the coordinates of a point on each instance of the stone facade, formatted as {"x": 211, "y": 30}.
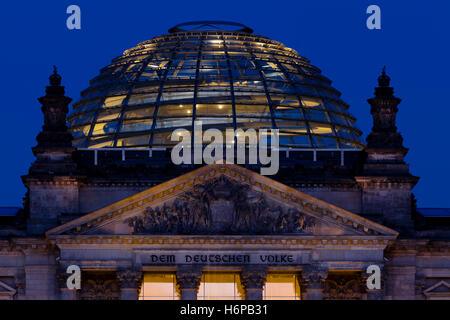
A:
{"x": 325, "y": 229}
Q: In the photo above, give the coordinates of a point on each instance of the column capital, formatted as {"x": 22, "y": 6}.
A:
{"x": 253, "y": 277}
{"x": 188, "y": 281}
{"x": 314, "y": 276}
{"x": 313, "y": 281}
{"x": 129, "y": 278}
{"x": 188, "y": 277}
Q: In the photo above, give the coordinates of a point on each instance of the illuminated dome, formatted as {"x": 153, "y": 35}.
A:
{"x": 218, "y": 73}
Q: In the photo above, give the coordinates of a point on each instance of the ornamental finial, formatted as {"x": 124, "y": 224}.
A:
{"x": 55, "y": 78}
{"x": 384, "y": 79}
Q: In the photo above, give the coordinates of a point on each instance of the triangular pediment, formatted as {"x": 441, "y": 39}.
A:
{"x": 222, "y": 199}
{"x": 438, "y": 288}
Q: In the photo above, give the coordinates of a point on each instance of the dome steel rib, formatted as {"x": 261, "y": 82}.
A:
{"x": 217, "y": 73}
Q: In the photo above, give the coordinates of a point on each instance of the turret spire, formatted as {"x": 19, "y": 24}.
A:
{"x": 55, "y": 78}
{"x": 384, "y": 80}
{"x": 384, "y": 111}
{"x": 54, "y": 139}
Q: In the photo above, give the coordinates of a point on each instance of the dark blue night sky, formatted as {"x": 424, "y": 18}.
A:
{"x": 413, "y": 43}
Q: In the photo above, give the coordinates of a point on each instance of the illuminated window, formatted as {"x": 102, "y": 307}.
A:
{"x": 225, "y": 79}
{"x": 220, "y": 286}
{"x": 133, "y": 141}
{"x": 113, "y": 101}
{"x": 159, "y": 286}
{"x": 281, "y": 286}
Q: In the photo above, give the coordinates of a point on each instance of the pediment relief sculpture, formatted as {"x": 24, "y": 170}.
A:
{"x": 221, "y": 206}
{"x": 221, "y": 199}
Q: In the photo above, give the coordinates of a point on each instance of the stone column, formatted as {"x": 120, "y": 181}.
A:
{"x": 313, "y": 279}
{"x": 188, "y": 281}
{"x": 130, "y": 281}
{"x": 253, "y": 280}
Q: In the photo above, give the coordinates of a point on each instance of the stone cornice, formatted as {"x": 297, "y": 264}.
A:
{"x": 223, "y": 241}
{"x": 419, "y": 247}
{"x": 311, "y": 185}
{"x": 307, "y": 185}
{"x": 22, "y": 245}
{"x": 30, "y": 180}
{"x": 119, "y": 184}
{"x": 376, "y": 181}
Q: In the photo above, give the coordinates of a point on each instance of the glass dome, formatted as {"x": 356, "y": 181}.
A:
{"x": 225, "y": 78}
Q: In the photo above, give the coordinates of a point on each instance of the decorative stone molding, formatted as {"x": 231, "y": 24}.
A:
{"x": 188, "y": 281}
{"x": 129, "y": 279}
{"x": 188, "y": 278}
{"x": 253, "y": 280}
{"x": 119, "y": 184}
{"x": 99, "y": 286}
{"x": 253, "y": 277}
{"x": 271, "y": 189}
{"x": 314, "y": 276}
{"x": 221, "y": 206}
{"x": 438, "y": 291}
{"x": 313, "y": 281}
{"x": 374, "y": 182}
{"x": 342, "y": 286}
{"x": 174, "y": 240}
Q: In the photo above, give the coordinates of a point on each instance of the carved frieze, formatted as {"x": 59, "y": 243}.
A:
{"x": 99, "y": 286}
{"x": 344, "y": 287}
{"x": 188, "y": 278}
{"x": 253, "y": 278}
{"x": 129, "y": 278}
{"x": 221, "y": 205}
{"x": 314, "y": 277}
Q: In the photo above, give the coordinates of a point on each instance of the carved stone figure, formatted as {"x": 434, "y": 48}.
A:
{"x": 221, "y": 206}
{"x": 99, "y": 286}
{"x": 344, "y": 287}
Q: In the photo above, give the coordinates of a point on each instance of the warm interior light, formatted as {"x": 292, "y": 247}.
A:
{"x": 158, "y": 286}
{"x": 281, "y": 287}
{"x": 220, "y": 286}
{"x": 321, "y": 130}
{"x": 309, "y": 102}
